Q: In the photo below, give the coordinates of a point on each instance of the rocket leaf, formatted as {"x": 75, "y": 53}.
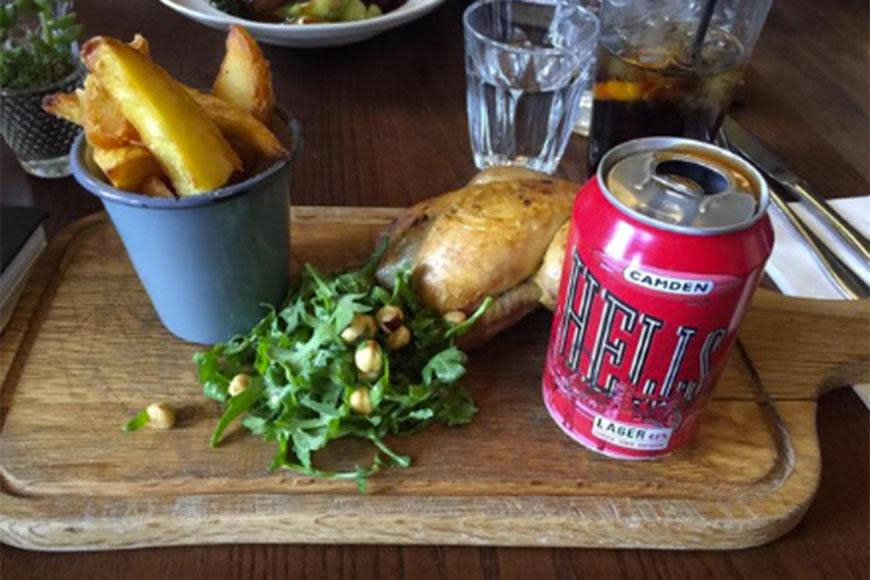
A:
{"x": 303, "y": 373}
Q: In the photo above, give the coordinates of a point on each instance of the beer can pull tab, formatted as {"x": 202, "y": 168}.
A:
{"x": 679, "y": 186}
{"x": 682, "y": 190}
{"x": 689, "y": 179}
{"x": 719, "y": 202}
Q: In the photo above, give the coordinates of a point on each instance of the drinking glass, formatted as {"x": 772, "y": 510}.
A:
{"x": 40, "y": 141}
{"x": 526, "y": 64}
{"x": 669, "y": 67}
{"x": 584, "y": 117}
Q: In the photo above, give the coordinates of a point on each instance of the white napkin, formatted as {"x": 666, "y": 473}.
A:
{"x": 794, "y": 268}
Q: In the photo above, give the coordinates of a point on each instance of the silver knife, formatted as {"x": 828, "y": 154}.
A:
{"x": 849, "y": 283}
{"x": 747, "y": 145}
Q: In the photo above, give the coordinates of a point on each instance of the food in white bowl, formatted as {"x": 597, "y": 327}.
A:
{"x": 306, "y": 11}
{"x": 311, "y": 35}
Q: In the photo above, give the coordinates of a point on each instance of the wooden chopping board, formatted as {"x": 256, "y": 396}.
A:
{"x": 85, "y": 350}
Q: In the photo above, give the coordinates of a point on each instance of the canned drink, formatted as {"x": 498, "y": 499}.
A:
{"x": 666, "y": 247}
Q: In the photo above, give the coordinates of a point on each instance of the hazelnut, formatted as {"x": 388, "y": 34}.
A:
{"x": 362, "y": 325}
{"x": 160, "y": 416}
{"x": 399, "y": 339}
{"x": 390, "y": 318}
{"x": 455, "y": 317}
{"x": 368, "y": 357}
{"x": 239, "y": 384}
{"x": 361, "y": 401}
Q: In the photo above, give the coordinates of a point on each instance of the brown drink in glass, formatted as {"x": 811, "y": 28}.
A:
{"x": 653, "y": 79}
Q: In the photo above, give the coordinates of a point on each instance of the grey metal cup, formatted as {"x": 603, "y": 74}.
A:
{"x": 209, "y": 262}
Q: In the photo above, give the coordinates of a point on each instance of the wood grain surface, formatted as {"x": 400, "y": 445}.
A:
{"x": 385, "y": 125}
{"x": 72, "y": 481}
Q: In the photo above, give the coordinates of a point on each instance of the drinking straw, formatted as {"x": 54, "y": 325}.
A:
{"x": 706, "y": 17}
{"x": 502, "y": 14}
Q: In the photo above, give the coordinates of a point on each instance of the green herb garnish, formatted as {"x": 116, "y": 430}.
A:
{"x": 36, "y": 42}
{"x": 138, "y": 421}
{"x": 302, "y": 373}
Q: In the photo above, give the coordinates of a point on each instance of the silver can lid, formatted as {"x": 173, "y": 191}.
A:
{"x": 683, "y": 185}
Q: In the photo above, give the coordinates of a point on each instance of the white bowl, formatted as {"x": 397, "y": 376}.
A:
{"x": 305, "y": 35}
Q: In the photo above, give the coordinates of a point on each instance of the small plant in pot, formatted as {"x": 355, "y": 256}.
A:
{"x": 38, "y": 57}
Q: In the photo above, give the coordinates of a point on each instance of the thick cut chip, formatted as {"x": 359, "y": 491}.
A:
{"x": 186, "y": 142}
{"x": 155, "y": 187}
{"x": 107, "y": 126}
{"x": 104, "y": 123}
{"x": 127, "y": 167}
{"x": 141, "y": 44}
{"x": 240, "y": 127}
{"x": 64, "y": 105}
{"x": 244, "y": 78}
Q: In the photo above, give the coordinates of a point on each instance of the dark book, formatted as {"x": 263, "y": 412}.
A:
{"x": 22, "y": 239}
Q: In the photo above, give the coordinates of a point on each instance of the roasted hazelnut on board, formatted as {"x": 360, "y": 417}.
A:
{"x": 160, "y": 416}
{"x": 362, "y": 325}
{"x": 239, "y": 384}
{"x": 368, "y": 357}
{"x": 360, "y": 401}
{"x": 399, "y": 339}
{"x": 455, "y": 317}
{"x": 390, "y": 318}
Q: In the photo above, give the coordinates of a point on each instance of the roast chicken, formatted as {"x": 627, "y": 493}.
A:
{"x": 502, "y": 235}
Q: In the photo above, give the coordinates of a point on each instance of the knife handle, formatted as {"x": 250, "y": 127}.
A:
{"x": 839, "y": 273}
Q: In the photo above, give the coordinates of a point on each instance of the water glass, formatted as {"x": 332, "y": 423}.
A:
{"x": 527, "y": 63}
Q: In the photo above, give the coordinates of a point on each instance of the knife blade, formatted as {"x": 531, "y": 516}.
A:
{"x": 849, "y": 283}
{"x": 748, "y": 146}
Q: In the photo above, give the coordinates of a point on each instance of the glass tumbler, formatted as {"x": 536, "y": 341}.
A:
{"x": 40, "y": 141}
{"x": 526, "y": 64}
{"x": 669, "y": 67}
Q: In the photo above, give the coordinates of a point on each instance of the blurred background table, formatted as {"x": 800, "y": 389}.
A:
{"x": 385, "y": 125}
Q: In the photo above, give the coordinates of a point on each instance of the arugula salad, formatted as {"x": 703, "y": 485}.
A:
{"x": 343, "y": 357}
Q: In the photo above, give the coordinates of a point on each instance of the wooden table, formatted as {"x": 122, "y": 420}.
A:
{"x": 385, "y": 125}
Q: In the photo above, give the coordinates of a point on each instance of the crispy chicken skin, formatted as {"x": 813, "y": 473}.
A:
{"x": 478, "y": 241}
{"x": 486, "y": 239}
{"x": 548, "y": 275}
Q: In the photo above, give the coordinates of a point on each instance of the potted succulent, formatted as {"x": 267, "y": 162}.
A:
{"x": 38, "y": 56}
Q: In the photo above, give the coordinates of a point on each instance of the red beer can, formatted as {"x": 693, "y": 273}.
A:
{"x": 666, "y": 247}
